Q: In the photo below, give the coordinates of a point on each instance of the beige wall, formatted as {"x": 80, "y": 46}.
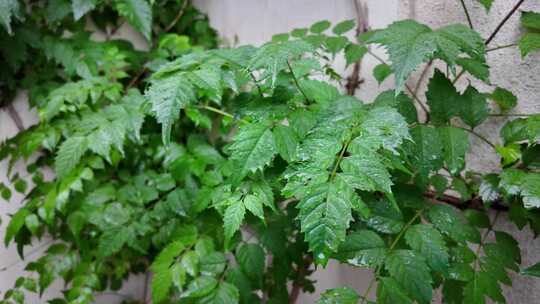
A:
{"x": 255, "y": 21}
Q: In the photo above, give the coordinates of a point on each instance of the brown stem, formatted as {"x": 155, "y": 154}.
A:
{"x": 353, "y": 81}
{"x": 301, "y": 273}
{"x": 505, "y": 19}
{"x": 14, "y": 116}
{"x": 178, "y": 16}
{"x": 473, "y": 203}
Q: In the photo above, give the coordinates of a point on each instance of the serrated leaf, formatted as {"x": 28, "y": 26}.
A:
{"x": 410, "y": 43}
{"x": 251, "y": 258}
{"x": 138, "y": 13}
{"x": 426, "y": 153}
{"x": 410, "y": 271}
{"x": 442, "y": 98}
{"x": 473, "y": 108}
{"x": 161, "y": 267}
{"x": 324, "y": 214}
{"x": 225, "y": 293}
{"x": 403, "y": 103}
{"x": 530, "y": 20}
{"x": 389, "y": 292}
{"x": 482, "y": 284}
{"x": 233, "y": 218}
{"x": 200, "y": 287}
{"x": 254, "y": 204}
{"x": 342, "y": 295}
{"x": 455, "y": 146}
{"x": 212, "y": 263}
{"x": 447, "y": 221}
{"x": 365, "y": 171}
{"x": 16, "y": 223}
{"x": 69, "y": 154}
{"x": 528, "y": 43}
{"x": 286, "y": 141}
{"x": 167, "y": 97}
{"x": 533, "y": 270}
{"x": 427, "y": 241}
{"x": 253, "y": 148}
{"x": 363, "y": 248}
{"x": 381, "y": 72}
{"x": 384, "y": 216}
{"x": 319, "y": 91}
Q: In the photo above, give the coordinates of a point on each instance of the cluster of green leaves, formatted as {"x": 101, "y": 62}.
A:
{"x": 228, "y": 173}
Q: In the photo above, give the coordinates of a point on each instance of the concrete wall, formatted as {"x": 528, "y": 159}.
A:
{"x": 255, "y": 21}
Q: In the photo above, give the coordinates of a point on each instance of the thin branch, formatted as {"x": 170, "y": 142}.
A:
{"x": 135, "y": 79}
{"x": 296, "y": 82}
{"x": 483, "y": 240}
{"x": 503, "y": 21}
{"x": 501, "y": 47}
{"x": 14, "y": 115}
{"x": 178, "y": 16}
{"x": 511, "y": 115}
{"x": 467, "y": 14}
{"x": 422, "y": 76}
{"x": 353, "y": 81}
{"x": 480, "y": 136}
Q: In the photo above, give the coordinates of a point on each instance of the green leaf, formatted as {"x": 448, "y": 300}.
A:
{"x": 533, "y": 270}
{"x": 324, "y": 214}
{"x": 505, "y": 99}
{"x": 138, "y": 13}
{"x": 365, "y": 171}
{"x": 411, "y": 273}
{"x": 81, "y": 7}
{"x": 447, "y": 220}
{"x": 342, "y": 295}
{"x": 389, "y": 292}
{"x": 69, "y": 154}
{"x": 528, "y": 43}
{"x": 213, "y": 263}
{"x": 483, "y": 284}
{"x": 531, "y": 191}
{"x": 531, "y": 20}
{"x": 168, "y": 96}
{"x": 319, "y": 91}
{"x": 254, "y": 204}
{"x": 410, "y": 43}
{"x": 161, "y": 267}
{"x": 473, "y": 108}
{"x": 403, "y": 103}
{"x": 8, "y": 10}
{"x": 427, "y": 241}
{"x": 455, "y": 146}
{"x": 16, "y": 223}
{"x": 426, "y": 153}
{"x": 233, "y": 218}
{"x": 354, "y": 53}
{"x": 274, "y": 56}
{"x": 320, "y": 26}
{"x": 381, "y": 72}
{"x": 384, "y": 217}
{"x": 486, "y": 3}
{"x": 112, "y": 240}
{"x": 225, "y": 293}
{"x": 251, "y": 258}
{"x": 253, "y": 148}
{"x": 190, "y": 262}
{"x": 286, "y": 141}
{"x": 363, "y": 248}
{"x": 442, "y": 98}
{"x": 385, "y": 127}
{"x": 200, "y": 287}
{"x": 343, "y": 27}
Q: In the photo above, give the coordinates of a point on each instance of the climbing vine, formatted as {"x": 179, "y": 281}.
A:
{"x": 230, "y": 174}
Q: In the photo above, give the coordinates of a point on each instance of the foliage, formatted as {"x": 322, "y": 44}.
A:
{"x": 227, "y": 173}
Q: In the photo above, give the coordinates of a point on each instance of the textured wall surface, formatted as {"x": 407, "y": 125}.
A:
{"x": 255, "y": 21}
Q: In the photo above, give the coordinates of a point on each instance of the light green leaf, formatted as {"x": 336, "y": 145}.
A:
{"x": 343, "y": 27}
{"x": 342, "y": 295}
{"x": 254, "y": 204}
{"x": 427, "y": 241}
{"x": 455, "y": 146}
{"x": 324, "y": 214}
{"x": 161, "y": 267}
{"x": 533, "y": 270}
{"x": 530, "y": 42}
{"x": 320, "y": 26}
{"x": 410, "y": 271}
{"x": 286, "y": 141}
{"x": 486, "y": 3}
{"x": 168, "y": 96}
{"x": 426, "y": 153}
{"x": 233, "y": 218}
{"x": 69, "y": 154}
{"x": 252, "y": 149}
{"x": 381, "y": 72}
{"x": 190, "y": 262}
{"x": 138, "y": 13}
{"x": 354, "y": 53}
{"x": 225, "y": 293}
{"x": 8, "y": 10}
{"x": 16, "y": 223}
{"x": 365, "y": 171}
{"x": 363, "y": 248}
{"x": 319, "y": 91}
{"x": 212, "y": 263}
{"x": 200, "y": 287}
{"x": 531, "y": 20}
